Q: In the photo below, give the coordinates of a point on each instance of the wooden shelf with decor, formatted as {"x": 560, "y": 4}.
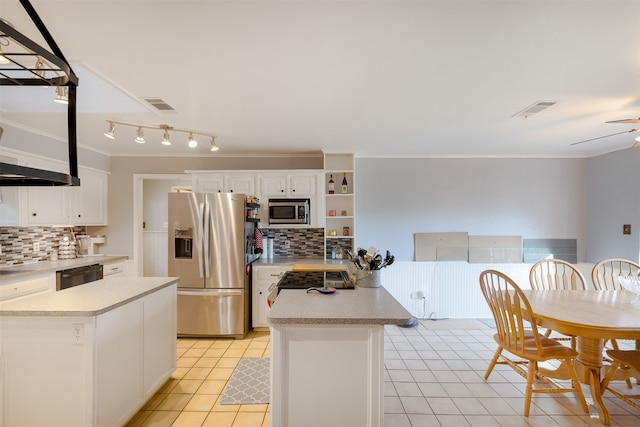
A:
{"x": 339, "y": 207}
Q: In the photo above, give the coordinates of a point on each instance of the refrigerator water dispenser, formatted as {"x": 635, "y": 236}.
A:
{"x": 183, "y": 238}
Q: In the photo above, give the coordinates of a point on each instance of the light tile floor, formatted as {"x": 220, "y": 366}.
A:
{"x": 433, "y": 377}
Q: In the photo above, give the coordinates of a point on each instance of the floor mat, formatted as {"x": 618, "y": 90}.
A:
{"x": 249, "y": 383}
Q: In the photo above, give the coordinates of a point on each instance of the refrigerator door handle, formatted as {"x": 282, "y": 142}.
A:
{"x": 210, "y": 292}
{"x": 206, "y": 239}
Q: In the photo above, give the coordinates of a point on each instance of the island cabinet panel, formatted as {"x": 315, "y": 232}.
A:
{"x": 159, "y": 334}
{"x": 96, "y": 369}
{"x": 119, "y": 362}
{"x": 327, "y": 375}
{"x": 44, "y": 374}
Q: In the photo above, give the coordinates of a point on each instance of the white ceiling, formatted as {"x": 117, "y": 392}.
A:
{"x": 377, "y": 78}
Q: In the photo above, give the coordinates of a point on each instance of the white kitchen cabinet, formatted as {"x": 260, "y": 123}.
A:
{"x": 225, "y": 183}
{"x": 208, "y": 183}
{"x": 46, "y": 206}
{"x": 9, "y": 199}
{"x": 41, "y": 283}
{"x": 83, "y": 205}
{"x": 288, "y": 185}
{"x": 244, "y": 184}
{"x": 302, "y": 185}
{"x": 115, "y": 269}
{"x": 273, "y": 185}
{"x": 88, "y": 203}
{"x": 263, "y": 277}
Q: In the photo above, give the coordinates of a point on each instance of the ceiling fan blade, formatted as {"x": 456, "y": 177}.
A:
{"x": 626, "y": 121}
{"x": 605, "y": 136}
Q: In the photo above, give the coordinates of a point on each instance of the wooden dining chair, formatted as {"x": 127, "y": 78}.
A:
{"x": 625, "y": 360}
{"x": 604, "y": 275}
{"x": 517, "y": 333}
{"x": 559, "y": 275}
{"x": 606, "y": 272}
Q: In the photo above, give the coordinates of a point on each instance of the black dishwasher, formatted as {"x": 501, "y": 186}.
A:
{"x": 78, "y": 276}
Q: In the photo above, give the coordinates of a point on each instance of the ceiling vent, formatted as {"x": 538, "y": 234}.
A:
{"x": 535, "y": 108}
{"x": 159, "y": 104}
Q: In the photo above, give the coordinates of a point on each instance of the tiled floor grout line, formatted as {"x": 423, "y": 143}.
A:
{"x": 433, "y": 377}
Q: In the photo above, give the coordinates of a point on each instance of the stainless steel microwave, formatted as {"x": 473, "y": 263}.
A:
{"x": 288, "y": 211}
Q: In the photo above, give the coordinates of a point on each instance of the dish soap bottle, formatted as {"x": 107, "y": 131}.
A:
{"x": 331, "y": 185}
{"x": 345, "y": 188}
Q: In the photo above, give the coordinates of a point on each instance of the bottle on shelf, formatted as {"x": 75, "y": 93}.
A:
{"x": 331, "y": 185}
{"x": 345, "y": 187}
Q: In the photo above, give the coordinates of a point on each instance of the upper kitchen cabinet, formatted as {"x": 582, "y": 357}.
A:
{"x": 224, "y": 183}
{"x": 83, "y": 205}
{"x": 272, "y": 185}
{"x": 340, "y": 204}
{"x": 88, "y": 203}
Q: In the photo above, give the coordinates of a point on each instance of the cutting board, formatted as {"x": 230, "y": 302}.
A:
{"x": 319, "y": 267}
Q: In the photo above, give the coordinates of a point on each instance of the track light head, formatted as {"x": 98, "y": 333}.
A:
{"x": 39, "y": 72}
{"x": 61, "y": 95}
{"x": 140, "y": 136}
{"x": 3, "y": 59}
{"x": 109, "y": 134}
{"x": 192, "y": 142}
{"x": 214, "y": 147}
{"x": 165, "y": 138}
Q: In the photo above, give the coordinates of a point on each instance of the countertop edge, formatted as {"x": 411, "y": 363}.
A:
{"x": 100, "y": 287}
{"x": 353, "y": 307}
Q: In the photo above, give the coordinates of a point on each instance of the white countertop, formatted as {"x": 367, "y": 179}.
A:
{"x": 40, "y": 267}
{"x": 90, "y": 299}
{"x": 346, "y": 306}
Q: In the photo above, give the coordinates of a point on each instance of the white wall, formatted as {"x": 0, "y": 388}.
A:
{"x": 534, "y": 198}
{"x": 614, "y": 199}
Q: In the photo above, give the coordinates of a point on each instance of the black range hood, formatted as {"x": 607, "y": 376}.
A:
{"x": 21, "y": 52}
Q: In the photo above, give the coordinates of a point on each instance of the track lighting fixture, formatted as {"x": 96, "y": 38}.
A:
{"x": 166, "y": 139}
{"x": 61, "y": 95}
{"x": 140, "y": 136}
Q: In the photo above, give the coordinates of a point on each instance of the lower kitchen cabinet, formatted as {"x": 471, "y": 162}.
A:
{"x": 84, "y": 371}
{"x": 41, "y": 283}
{"x": 263, "y": 277}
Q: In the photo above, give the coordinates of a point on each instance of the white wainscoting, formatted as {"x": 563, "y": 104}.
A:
{"x": 451, "y": 288}
{"x": 155, "y": 254}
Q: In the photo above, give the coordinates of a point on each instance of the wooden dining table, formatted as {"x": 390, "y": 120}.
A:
{"x": 592, "y": 316}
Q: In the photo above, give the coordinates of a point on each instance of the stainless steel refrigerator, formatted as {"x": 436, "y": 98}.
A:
{"x": 209, "y": 243}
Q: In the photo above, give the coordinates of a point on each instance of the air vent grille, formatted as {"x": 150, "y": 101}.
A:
{"x": 159, "y": 104}
{"x": 535, "y": 108}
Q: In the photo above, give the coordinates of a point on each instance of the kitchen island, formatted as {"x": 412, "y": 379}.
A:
{"x": 90, "y": 355}
{"x": 327, "y": 356}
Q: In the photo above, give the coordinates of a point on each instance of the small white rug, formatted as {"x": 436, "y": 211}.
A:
{"x": 249, "y": 383}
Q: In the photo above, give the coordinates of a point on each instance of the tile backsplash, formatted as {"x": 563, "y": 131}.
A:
{"x": 17, "y": 243}
{"x": 304, "y": 242}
